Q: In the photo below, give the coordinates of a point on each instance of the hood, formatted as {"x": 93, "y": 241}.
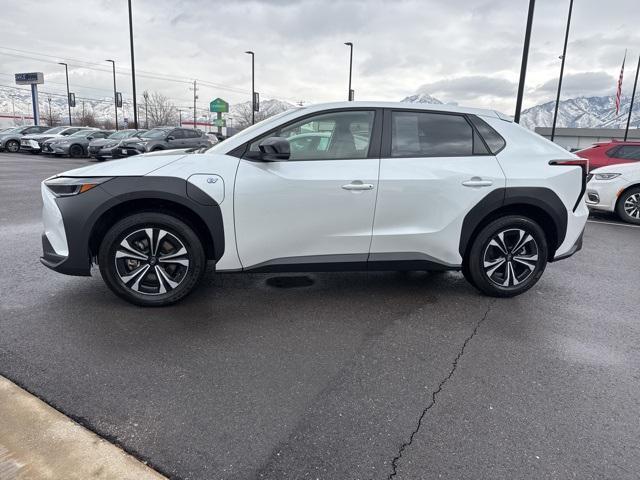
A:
{"x": 622, "y": 168}
{"x": 41, "y": 136}
{"x": 98, "y": 142}
{"x": 135, "y": 166}
{"x": 175, "y": 151}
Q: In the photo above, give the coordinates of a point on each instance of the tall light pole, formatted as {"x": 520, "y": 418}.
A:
{"x": 66, "y": 72}
{"x": 115, "y": 94}
{"x": 633, "y": 96}
{"x": 563, "y": 57}
{"x": 525, "y": 58}
{"x": 145, "y": 95}
{"x": 195, "y": 98}
{"x": 253, "y": 86}
{"x": 133, "y": 69}
{"x": 350, "y": 92}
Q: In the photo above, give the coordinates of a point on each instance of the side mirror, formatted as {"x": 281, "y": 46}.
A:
{"x": 274, "y": 149}
{"x": 89, "y": 138}
{"x": 170, "y": 137}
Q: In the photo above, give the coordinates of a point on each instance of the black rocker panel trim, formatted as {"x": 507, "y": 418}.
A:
{"x": 406, "y": 261}
{"x": 80, "y": 214}
{"x": 540, "y": 197}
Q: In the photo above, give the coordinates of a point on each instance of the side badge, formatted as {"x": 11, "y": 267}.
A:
{"x": 212, "y": 179}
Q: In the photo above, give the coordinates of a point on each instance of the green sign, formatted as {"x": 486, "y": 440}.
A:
{"x": 218, "y": 105}
{"x": 219, "y": 122}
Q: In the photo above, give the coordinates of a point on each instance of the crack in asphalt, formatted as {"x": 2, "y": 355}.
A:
{"x": 434, "y": 394}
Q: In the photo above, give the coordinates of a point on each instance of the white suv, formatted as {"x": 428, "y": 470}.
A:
{"x": 364, "y": 186}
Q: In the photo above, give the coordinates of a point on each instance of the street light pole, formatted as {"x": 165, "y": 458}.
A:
{"x": 525, "y": 58}
{"x": 350, "y": 45}
{"x": 66, "y": 72}
{"x": 133, "y": 69}
{"x": 253, "y": 87}
{"x": 115, "y": 94}
{"x": 195, "y": 97}
{"x": 564, "y": 56}
{"x": 633, "y": 96}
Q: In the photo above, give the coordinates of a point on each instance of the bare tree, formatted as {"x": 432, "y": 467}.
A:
{"x": 161, "y": 110}
{"x": 242, "y": 112}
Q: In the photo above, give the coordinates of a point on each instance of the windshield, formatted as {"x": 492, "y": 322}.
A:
{"x": 247, "y": 132}
{"x": 82, "y": 133}
{"x": 122, "y": 134}
{"x": 57, "y": 129}
{"x": 155, "y": 133}
{"x": 11, "y": 130}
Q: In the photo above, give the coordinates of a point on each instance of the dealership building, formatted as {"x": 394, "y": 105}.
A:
{"x": 577, "y": 138}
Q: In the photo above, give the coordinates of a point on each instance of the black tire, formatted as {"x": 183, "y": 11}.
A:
{"x": 147, "y": 288}
{"x": 156, "y": 149}
{"x": 518, "y": 274}
{"x": 628, "y": 206}
{"x": 76, "y": 151}
{"x": 12, "y": 146}
{"x": 99, "y": 159}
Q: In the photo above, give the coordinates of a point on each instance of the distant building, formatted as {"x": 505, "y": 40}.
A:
{"x": 577, "y": 138}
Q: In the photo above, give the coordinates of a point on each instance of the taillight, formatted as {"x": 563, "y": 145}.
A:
{"x": 583, "y": 163}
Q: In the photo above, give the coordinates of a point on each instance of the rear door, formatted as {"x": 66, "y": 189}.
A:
{"x": 435, "y": 167}
{"x": 315, "y": 209}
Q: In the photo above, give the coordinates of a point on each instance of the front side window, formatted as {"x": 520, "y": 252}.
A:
{"x": 425, "y": 134}
{"x": 327, "y": 136}
{"x": 628, "y": 152}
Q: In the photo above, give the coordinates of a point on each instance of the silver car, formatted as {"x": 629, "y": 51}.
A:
{"x": 10, "y": 139}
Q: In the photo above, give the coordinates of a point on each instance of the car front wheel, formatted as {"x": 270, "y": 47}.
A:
{"x": 151, "y": 259}
{"x": 628, "y": 206}
{"x": 508, "y": 256}
{"x": 12, "y": 146}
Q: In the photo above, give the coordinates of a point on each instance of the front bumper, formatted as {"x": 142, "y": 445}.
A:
{"x": 104, "y": 152}
{"x": 30, "y": 145}
{"x": 128, "y": 151}
{"x": 602, "y": 195}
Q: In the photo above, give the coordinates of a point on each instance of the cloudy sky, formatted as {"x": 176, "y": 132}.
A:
{"x": 467, "y": 52}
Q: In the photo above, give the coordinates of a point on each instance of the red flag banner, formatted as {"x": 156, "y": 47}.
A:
{"x": 619, "y": 90}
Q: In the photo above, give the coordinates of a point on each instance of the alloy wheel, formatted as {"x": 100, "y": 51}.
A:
{"x": 510, "y": 257}
{"x": 13, "y": 146}
{"x": 632, "y": 206}
{"x": 151, "y": 261}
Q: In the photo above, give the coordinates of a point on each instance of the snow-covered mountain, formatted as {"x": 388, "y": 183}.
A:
{"x": 583, "y": 112}
{"x": 422, "y": 98}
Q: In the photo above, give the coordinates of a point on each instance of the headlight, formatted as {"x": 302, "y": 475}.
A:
{"x": 606, "y": 176}
{"x": 69, "y": 186}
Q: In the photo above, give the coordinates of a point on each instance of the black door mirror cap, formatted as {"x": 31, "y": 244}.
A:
{"x": 171, "y": 137}
{"x": 274, "y": 149}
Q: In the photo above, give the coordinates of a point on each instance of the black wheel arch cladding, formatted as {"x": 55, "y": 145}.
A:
{"x": 539, "y": 198}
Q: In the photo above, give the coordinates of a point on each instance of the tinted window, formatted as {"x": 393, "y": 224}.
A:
{"x": 628, "y": 152}
{"x": 423, "y": 134}
{"x": 492, "y": 138}
{"x": 192, "y": 133}
{"x": 178, "y": 134}
{"x": 70, "y": 131}
{"x": 327, "y": 136}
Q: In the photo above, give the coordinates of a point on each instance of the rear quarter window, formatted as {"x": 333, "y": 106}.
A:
{"x": 493, "y": 139}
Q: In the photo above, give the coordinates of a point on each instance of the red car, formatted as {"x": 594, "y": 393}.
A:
{"x": 610, "y": 153}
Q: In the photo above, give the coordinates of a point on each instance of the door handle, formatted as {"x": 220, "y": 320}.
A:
{"x": 477, "y": 182}
{"x": 358, "y": 185}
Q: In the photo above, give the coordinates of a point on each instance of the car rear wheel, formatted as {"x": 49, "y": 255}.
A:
{"x": 12, "y": 146}
{"x": 151, "y": 259}
{"x": 508, "y": 256}
{"x": 628, "y": 206}
{"x": 76, "y": 151}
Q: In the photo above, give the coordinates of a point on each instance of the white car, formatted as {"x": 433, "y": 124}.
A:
{"x": 33, "y": 142}
{"x": 616, "y": 188}
{"x": 430, "y": 187}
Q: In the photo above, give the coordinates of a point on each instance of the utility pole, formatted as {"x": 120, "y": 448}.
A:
{"x": 525, "y": 58}
{"x": 115, "y": 94}
{"x": 633, "y": 96}
{"x": 195, "y": 97}
{"x": 84, "y": 121}
{"x": 349, "y": 91}
{"x": 13, "y": 107}
{"x": 66, "y": 71}
{"x": 146, "y": 109}
{"x": 253, "y": 86}
{"x": 180, "y": 116}
{"x": 50, "y": 115}
{"x": 563, "y": 57}
{"x": 133, "y": 69}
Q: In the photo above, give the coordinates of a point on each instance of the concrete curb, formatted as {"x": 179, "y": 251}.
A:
{"x": 39, "y": 443}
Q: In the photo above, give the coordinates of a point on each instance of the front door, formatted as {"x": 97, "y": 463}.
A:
{"x": 317, "y": 207}
{"x": 435, "y": 168}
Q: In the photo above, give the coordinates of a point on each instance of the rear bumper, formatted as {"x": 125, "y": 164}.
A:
{"x": 575, "y": 248}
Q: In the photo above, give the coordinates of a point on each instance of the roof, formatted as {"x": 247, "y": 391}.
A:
{"x": 403, "y": 105}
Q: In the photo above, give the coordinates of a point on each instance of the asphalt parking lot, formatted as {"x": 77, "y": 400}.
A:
{"x": 337, "y": 375}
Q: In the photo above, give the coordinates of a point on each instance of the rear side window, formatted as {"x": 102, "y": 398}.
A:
{"x": 628, "y": 152}
{"x": 192, "y": 134}
{"x": 494, "y": 141}
{"x": 426, "y": 134}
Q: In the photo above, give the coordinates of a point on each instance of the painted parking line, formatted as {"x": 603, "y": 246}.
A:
{"x": 614, "y": 223}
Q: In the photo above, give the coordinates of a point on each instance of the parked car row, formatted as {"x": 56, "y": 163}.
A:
{"x": 101, "y": 144}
